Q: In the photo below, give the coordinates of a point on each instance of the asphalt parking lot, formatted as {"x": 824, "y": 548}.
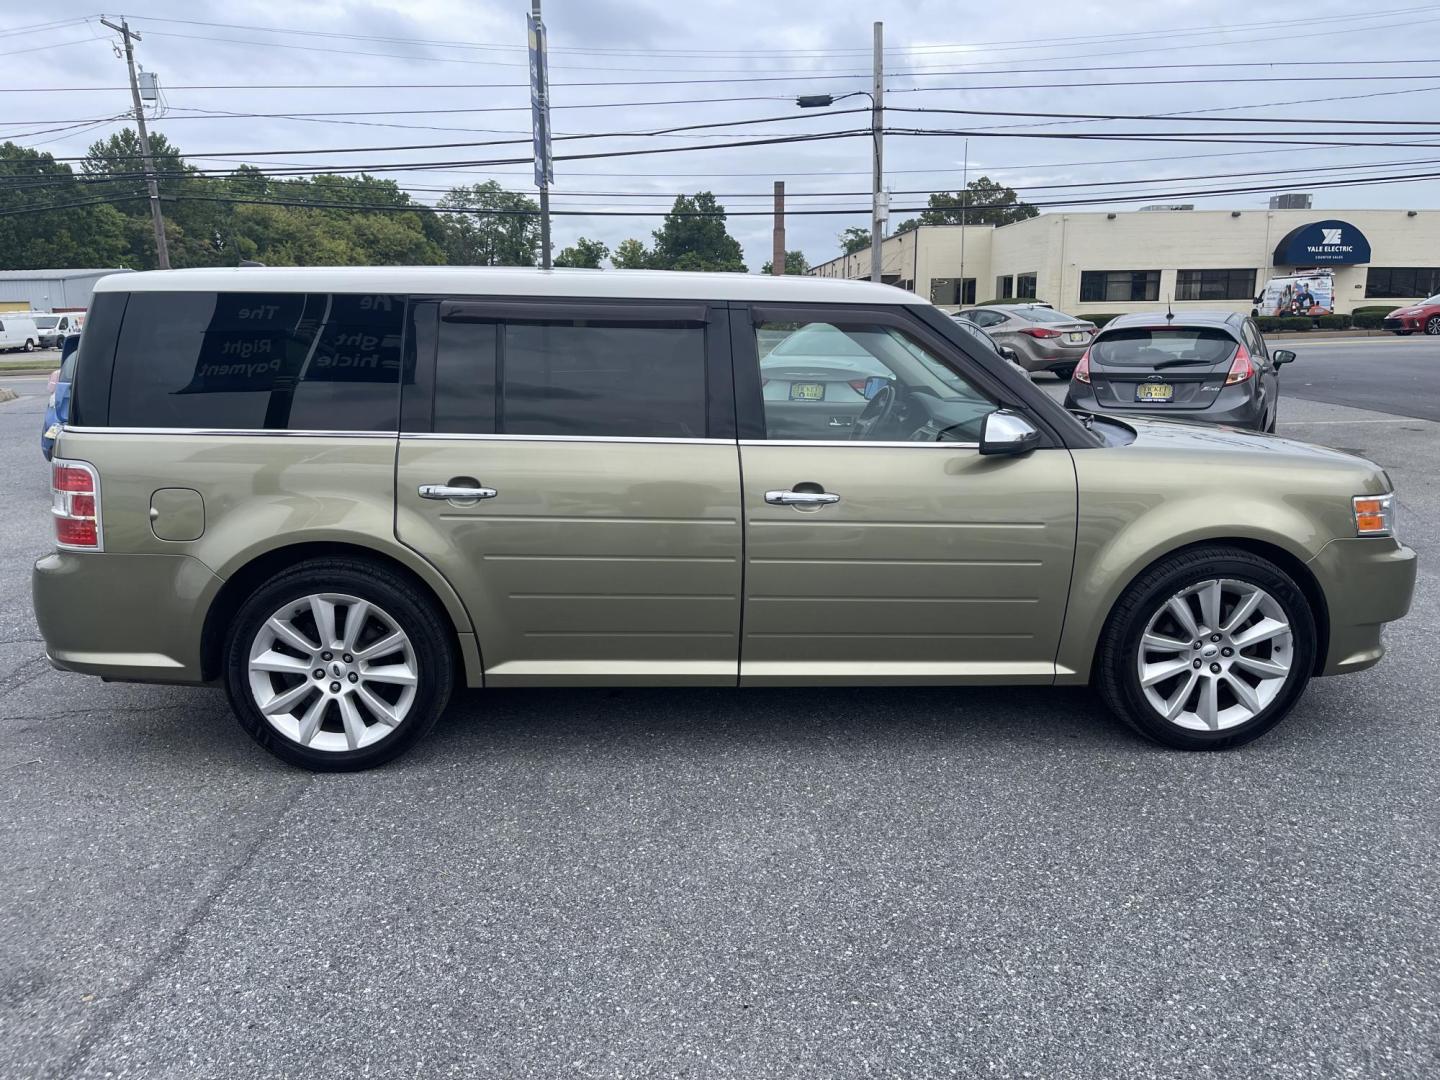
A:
{"x": 768, "y": 883}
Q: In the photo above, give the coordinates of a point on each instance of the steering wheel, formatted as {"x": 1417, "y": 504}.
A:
{"x": 877, "y": 415}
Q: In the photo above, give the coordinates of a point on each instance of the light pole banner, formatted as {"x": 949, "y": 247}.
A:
{"x": 540, "y": 102}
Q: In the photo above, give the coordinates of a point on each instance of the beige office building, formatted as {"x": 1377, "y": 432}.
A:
{"x": 1134, "y": 260}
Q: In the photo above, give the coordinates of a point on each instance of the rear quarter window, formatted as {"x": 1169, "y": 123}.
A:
{"x": 286, "y": 361}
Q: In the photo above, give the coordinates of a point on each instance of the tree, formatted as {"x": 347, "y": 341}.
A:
{"x": 795, "y": 263}
{"x": 854, "y": 239}
{"x": 33, "y": 237}
{"x": 693, "y": 237}
{"x": 630, "y": 255}
{"x": 510, "y": 237}
{"x": 981, "y": 202}
{"x": 584, "y": 253}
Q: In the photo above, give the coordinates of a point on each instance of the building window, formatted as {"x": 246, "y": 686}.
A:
{"x": 952, "y": 291}
{"x": 1004, "y": 287}
{"x": 1401, "y": 282}
{"x": 1119, "y": 286}
{"x": 1215, "y": 285}
{"x": 1025, "y": 286}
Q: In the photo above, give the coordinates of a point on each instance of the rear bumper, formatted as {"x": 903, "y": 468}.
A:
{"x": 136, "y": 617}
{"x": 1234, "y": 409}
{"x": 1037, "y": 355}
{"x": 1367, "y": 583}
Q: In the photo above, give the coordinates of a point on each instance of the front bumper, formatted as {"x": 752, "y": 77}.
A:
{"x": 136, "y": 617}
{"x": 1367, "y": 582}
{"x": 1404, "y": 323}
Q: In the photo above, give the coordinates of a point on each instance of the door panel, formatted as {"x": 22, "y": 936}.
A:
{"x": 598, "y": 561}
{"x": 936, "y": 565}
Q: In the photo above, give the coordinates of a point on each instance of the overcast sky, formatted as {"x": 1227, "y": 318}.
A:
{"x": 976, "y": 56}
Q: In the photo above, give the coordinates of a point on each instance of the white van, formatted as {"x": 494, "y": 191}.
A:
{"x": 18, "y": 332}
{"x": 1309, "y": 292}
{"x": 53, "y": 327}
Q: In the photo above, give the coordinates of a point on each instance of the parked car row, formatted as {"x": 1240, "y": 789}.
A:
{"x": 1203, "y": 367}
{"x": 29, "y": 330}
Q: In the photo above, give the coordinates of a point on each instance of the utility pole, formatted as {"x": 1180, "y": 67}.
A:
{"x": 540, "y": 121}
{"x": 777, "y": 246}
{"x": 162, "y": 249}
{"x": 877, "y": 130}
{"x": 964, "y": 195}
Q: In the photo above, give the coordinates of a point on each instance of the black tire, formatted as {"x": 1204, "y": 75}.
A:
{"x": 414, "y": 610}
{"x": 1117, "y": 679}
{"x": 29, "y": 346}
{"x": 1064, "y": 373}
{"x": 1432, "y": 325}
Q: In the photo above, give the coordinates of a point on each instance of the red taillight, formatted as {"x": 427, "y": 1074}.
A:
{"x": 72, "y": 478}
{"x": 1082, "y": 369}
{"x": 858, "y": 385}
{"x": 75, "y": 504}
{"x": 1039, "y": 332}
{"x": 1240, "y": 368}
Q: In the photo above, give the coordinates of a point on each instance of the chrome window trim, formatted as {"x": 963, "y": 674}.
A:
{"x": 467, "y": 437}
{"x": 271, "y": 432}
{"x": 861, "y": 443}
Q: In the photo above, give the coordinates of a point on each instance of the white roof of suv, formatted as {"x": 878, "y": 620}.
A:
{"x": 512, "y": 281}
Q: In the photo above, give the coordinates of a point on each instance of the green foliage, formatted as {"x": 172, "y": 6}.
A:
{"x": 795, "y": 263}
{"x": 584, "y": 253}
{"x": 477, "y": 238}
{"x": 854, "y": 239}
{"x": 980, "y": 202}
{"x": 630, "y": 254}
{"x": 693, "y": 237}
{"x": 74, "y": 236}
{"x": 1268, "y": 324}
{"x": 1371, "y": 316}
{"x": 1333, "y": 322}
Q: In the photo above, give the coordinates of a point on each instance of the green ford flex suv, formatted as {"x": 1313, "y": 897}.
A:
{"x": 345, "y": 493}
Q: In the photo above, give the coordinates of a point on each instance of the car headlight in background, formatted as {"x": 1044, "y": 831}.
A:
{"x": 1375, "y": 515}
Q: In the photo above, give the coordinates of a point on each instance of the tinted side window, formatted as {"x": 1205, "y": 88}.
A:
{"x": 602, "y": 378}
{"x": 465, "y": 377}
{"x": 259, "y": 360}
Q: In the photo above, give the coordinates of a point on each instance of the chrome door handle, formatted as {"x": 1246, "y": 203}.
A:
{"x": 445, "y": 491}
{"x": 801, "y": 498}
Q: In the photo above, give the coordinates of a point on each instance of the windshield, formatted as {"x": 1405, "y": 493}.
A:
{"x": 45, "y": 322}
{"x": 1045, "y": 315}
{"x": 1432, "y": 299}
{"x": 1146, "y": 346}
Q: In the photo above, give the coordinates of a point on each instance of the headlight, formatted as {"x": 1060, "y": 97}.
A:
{"x": 1374, "y": 515}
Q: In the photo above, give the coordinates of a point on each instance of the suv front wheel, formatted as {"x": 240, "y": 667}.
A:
{"x": 1208, "y": 649}
{"x": 338, "y": 665}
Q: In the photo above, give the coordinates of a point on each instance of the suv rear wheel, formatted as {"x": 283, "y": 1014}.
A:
{"x": 1208, "y": 649}
{"x": 338, "y": 665}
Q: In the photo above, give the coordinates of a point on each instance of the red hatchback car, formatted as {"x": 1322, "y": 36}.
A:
{"x": 1417, "y": 317}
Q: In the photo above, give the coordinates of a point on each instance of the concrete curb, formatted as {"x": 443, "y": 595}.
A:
{"x": 6, "y": 394}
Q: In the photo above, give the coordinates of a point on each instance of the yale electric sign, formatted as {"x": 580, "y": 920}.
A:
{"x": 1323, "y": 242}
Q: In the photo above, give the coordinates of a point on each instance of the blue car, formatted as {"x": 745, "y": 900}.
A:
{"x": 58, "y": 410}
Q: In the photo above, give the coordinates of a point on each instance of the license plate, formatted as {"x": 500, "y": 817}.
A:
{"x": 1154, "y": 391}
{"x": 807, "y": 391}
{"x": 1076, "y": 338}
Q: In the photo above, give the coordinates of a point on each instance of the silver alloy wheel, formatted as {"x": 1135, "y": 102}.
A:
{"x": 1215, "y": 655}
{"x": 333, "y": 672}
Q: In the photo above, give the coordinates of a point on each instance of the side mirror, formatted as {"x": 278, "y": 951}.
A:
{"x": 1282, "y": 356}
{"x": 1008, "y": 353}
{"x": 1005, "y": 432}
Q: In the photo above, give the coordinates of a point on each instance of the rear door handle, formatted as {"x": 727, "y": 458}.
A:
{"x": 448, "y": 491}
{"x": 801, "y": 498}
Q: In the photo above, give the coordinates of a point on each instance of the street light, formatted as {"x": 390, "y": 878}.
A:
{"x": 877, "y": 111}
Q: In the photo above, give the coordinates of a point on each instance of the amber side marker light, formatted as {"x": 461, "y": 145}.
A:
{"x": 1374, "y": 515}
